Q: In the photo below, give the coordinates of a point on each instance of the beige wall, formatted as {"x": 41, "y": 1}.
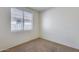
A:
{"x": 61, "y": 25}
{"x": 9, "y": 39}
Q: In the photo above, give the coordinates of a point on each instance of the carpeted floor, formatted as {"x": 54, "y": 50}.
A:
{"x": 41, "y": 45}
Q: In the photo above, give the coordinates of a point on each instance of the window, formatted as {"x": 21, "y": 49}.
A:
{"x": 21, "y": 20}
{"x": 28, "y": 21}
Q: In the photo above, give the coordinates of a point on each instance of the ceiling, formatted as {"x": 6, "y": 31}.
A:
{"x": 40, "y": 8}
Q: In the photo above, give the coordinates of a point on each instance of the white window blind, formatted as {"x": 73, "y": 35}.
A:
{"x": 21, "y": 20}
{"x": 28, "y": 21}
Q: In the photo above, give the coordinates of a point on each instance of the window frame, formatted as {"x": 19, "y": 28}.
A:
{"x": 23, "y": 21}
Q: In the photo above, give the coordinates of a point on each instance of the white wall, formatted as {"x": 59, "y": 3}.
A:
{"x": 61, "y": 25}
{"x": 9, "y": 39}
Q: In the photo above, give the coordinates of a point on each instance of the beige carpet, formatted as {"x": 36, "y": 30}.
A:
{"x": 41, "y": 45}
